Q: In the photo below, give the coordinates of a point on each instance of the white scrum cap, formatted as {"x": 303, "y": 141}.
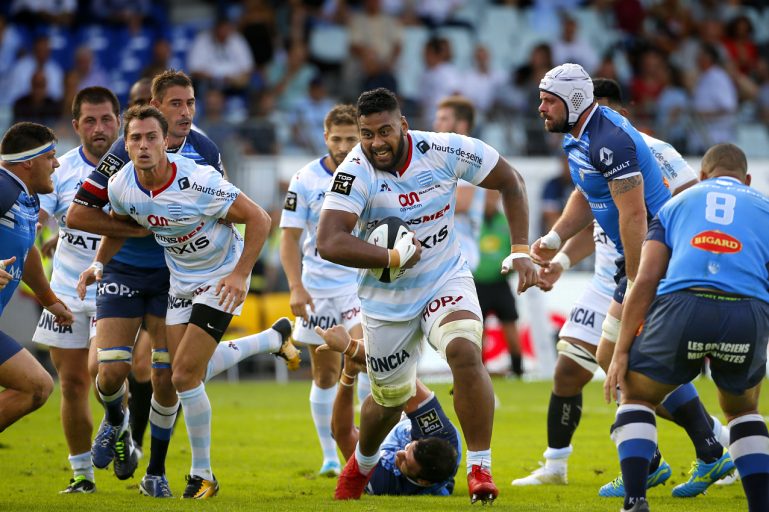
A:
{"x": 573, "y": 85}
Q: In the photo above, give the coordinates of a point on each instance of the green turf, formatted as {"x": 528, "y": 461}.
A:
{"x": 265, "y": 456}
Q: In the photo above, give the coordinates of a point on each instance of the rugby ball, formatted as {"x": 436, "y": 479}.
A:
{"x": 384, "y": 234}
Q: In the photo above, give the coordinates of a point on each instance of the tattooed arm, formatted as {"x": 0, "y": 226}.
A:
{"x": 628, "y": 195}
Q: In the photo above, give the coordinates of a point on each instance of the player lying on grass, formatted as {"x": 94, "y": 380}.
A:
{"x": 420, "y": 455}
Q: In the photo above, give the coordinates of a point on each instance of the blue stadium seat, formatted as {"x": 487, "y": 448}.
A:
{"x": 462, "y": 43}
{"x": 411, "y": 62}
{"x": 500, "y": 30}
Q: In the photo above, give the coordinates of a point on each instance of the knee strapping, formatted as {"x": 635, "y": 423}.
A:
{"x": 610, "y": 328}
{"x": 161, "y": 358}
{"x": 467, "y": 328}
{"x": 115, "y": 355}
{"x": 578, "y": 354}
{"x": 393, "y": 395}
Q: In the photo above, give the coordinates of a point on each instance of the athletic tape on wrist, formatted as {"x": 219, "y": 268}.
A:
{"x": 552, "y": 240}
{"x": 563, "y": 260}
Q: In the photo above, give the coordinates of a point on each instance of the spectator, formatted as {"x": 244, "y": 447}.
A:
{"x": 10, "y": 46}
{"x": 119, "y": 12}
{"x": 220, "y": 58}
{"x": 37, "y": 106}
{"x": 435, "y": 13}
{"x": 307, "y": 117}
{"x": 259, "y": 134}
{"x": 646, "y": 86}
{"x": 162, "y": 58}
{"x": 739, "y": 44}
{"x": 26, "y": 66}
{"x": 672, "y": 117}
{"x": 554, "y": 196}
{"x": 289, "y": 76}
{"x": 481, "y": 84}
{"x": 762, "y": 101}
{"x": 33, "y": 12}
{"x": 572, "y": 48}
{"x": 714, "y": 101}
{"x": 258, "y": 26}
{"x": 525, "y": 92}
{"x": 375, "y": 42}
{"x": 85, "y": 72}
{"x": 440, "y": 78}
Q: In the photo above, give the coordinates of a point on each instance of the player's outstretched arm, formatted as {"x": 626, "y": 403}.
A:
{"x": 343, "y": 413}
{"x": 576, "y": 216}
{"x": 233, "y": 288}
{"x": 96, "y": 220}
{"x": 576, "y": 249}
{"x": 654, "y": 263}
{"x": 628, "y": 195}
{"x": 291, "y": 259}
{"x": 504, "y": 178}
{"x": 339, "y": 340}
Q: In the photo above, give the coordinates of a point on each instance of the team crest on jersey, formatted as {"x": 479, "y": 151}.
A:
{"x": 290, "y": 202}
{"x": 174, "y": 210}
{"x": 342, "y": 183}
{"x": 109, "y": 165}
{"x": 606, "y": 155}
{"x": 429, "y": 422}
{"x": 424, "y": 178}
{"x": 716, "y": 242}
{"x": 384, "y": 187}
{"x": 184, "y": 183}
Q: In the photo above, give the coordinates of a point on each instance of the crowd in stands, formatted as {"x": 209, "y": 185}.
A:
{"x": 266, "y": 71}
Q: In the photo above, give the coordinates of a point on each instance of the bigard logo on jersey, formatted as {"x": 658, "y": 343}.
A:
{"x": 606, "y": 155}
{"x": 716, "y": 242}
{"x": 342, "y": 183}
{"x": 290, "y": 202}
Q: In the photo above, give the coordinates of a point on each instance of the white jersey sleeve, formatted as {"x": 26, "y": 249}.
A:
{"x": 675, "y": 169}
{"x": 467, "y": 158}
{"x": 301, "y": 210}
{"x": 76, "y": 249}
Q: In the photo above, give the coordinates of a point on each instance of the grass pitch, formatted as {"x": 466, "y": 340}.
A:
{"x": 265, "y": 456}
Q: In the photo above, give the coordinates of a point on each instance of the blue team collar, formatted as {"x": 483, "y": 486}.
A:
{"x": 587, "y": 121}
{"x": 16, "y": 179}
{"x": 323, "y": 165}
{"x": 85, "y": 158}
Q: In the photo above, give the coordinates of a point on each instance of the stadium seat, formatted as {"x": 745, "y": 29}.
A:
{"x": 594, "y": 29}
{"x": 329, "y": 43}
{"x": 462, "y": 44}
{"x": 499, "y": 31}
{"x": 753, "y": 138}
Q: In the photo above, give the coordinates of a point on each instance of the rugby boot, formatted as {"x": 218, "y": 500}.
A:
{"x": 352, "y": 482}
{"x": 199, "y": 488}
{"x": 155, "y": 486}
{"x": 79, "y": 485}
{"x": 616, "y": 488}
{"x": 544, "y": 475}
{"x": 481, "y": 486}
{"x": 287, "y": 349}
{"x": 703, "y": 476}
{"x": 103, "y": 449}
{"x": 126, "y": 459}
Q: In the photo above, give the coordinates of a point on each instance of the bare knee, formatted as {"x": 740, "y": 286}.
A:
{"x": 184, "y": 378}
{"x": 74, "y": 386}
{"x": 569, "y": 378}
{"x": 41, "y": 388}
{"x": 463, "y": 355}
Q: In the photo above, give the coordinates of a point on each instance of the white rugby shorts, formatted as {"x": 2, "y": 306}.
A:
{"x": 343, "y": 310}
{"x": 77, "y": 335}
{"x": 586, "y": 316}
{"x": 393, "y": 348}
{"x": 180, "y": 305}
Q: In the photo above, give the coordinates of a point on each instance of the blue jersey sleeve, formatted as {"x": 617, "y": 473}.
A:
{"x": 207, "y": 149}
{"x": 657, "y": 231}
{"x": 613, "y": 153}
{"x": 9, "y": 192}
{"x": 93, "y": 191}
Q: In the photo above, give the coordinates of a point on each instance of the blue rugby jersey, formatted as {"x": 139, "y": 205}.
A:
{"x": 609, "y": 148}
{"x": 301, "y": 209}
{"x": 428, "y": 420}
{"x": 142, "y": 252}
{"x": 18, "y": 224}
{"x": 184, "y": 217}
{"x": 716, "y": 232}
{"x": 422, "y": 194}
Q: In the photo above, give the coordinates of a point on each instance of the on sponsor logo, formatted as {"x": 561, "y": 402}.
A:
{"x": 716, "y": 242}
{"x": 156, "y": 220}
{"x": 408, "y": 199}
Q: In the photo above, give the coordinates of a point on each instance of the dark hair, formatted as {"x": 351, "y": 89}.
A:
{"x": 712, "y": 52}
{"x": 340, "y": 115}
{"x": 437, "y": 459}
{"x": 376, "y": 101}
{"x": 25, "y": 136}
{"x": 142, "y": 112}
{"x": 726, "y": 156}
{"x": 462, "y": 107}
{"x": 93, "y": 96}
{"x": 145, "y": 81}
{"x": 168, "y": 78}
{"x": 609, "y": 89}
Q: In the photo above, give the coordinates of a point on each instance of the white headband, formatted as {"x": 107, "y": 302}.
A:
{"x": 28, "y": 154}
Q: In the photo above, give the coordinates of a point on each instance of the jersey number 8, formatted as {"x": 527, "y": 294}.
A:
{"x": 720, "y": 208}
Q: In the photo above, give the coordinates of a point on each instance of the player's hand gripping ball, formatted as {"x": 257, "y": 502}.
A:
{"x": 392, "y": 233}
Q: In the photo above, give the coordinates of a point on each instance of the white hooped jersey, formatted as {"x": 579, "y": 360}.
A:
{"x": 676, "y": 172}
{"x": 301, "y": 210}
{"x": 185, "y": 217}
{"x": 423, "y": 195}
{"x": 76, "y": 249}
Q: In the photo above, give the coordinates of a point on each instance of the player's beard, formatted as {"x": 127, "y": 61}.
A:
{"x": 397, "y": 154}
{"x": 557, "y": 127}
{"x": 338, "y": 157}
{"x": 98, "y": 149}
